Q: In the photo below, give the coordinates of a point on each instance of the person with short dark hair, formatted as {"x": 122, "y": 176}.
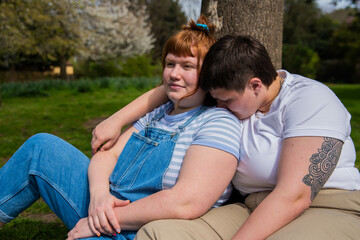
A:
{"x": 296, "y": 170}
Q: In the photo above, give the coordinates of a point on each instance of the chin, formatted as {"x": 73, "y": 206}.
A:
{"x": 175, "y": 97}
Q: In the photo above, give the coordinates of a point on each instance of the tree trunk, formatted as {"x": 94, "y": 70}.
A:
{"x": 63, "y": 74}
{"x": 0, "y": 96}
{"x": 262, "y": 19}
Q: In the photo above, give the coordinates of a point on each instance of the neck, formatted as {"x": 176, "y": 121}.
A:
{"x": 273, "y": 92}
{"x": 178, "y": 109}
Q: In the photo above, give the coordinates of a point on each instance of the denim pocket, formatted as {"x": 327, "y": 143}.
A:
{"x": 131, "y": 161}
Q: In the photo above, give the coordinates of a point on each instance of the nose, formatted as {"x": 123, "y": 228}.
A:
{"x": 175, "y": 73}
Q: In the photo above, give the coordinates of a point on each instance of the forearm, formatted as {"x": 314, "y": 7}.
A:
{"x": 100, "y": 169}
{"x": 161, "y": 205}
{"x": 191, "y": 196}
{"x": 273, "y": 213}
{"x": 140, "y": 106}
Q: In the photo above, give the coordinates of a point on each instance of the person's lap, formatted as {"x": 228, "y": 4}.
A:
{"x": 320, "y": 224}
{"x": 325, "y": 219}
{"x": 218, "y": 223}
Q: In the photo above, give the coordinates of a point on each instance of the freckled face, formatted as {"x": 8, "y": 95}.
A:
{"x": 180, "y": 78}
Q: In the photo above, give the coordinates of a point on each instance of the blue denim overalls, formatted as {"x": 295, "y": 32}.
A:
{"x": 143, "y": 162}
{"x": 48, "y": 167}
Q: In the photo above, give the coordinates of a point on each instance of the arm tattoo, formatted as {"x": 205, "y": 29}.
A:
{"x": 322, "y": 165}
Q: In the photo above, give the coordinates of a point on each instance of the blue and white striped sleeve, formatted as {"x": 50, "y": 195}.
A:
{"x": 221, "y": 130}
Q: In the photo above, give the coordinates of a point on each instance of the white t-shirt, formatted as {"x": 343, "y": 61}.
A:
{"x": 215, "y": 127}
{"x": 304, "y": 107}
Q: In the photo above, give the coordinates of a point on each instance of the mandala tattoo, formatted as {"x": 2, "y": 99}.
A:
{"x": 322, "y": 165}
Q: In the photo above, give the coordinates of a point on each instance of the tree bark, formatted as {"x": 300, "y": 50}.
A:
{"x": 0, "y": 96}
{"x": 63, "y": 74}
{"x": 261, "y": 19}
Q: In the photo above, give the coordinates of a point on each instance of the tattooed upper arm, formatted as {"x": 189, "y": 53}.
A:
{"x": 322, "y": 164}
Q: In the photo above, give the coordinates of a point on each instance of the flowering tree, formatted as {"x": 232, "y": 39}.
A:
{"x": 38, "y": 33}
{"x": 111, "y": 30}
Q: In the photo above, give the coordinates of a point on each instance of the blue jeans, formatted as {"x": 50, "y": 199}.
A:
{"x": 48, "y": 167}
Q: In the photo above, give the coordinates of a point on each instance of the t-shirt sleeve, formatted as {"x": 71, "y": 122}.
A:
{"x": 315, "y": 111}
{"x": 221, "y": 130}
{"x": 141, "y": 123}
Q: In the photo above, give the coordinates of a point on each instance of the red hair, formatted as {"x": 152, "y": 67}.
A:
{"x": 192, "y": 41}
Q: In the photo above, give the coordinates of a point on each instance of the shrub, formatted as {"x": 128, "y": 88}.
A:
{"x": 42, "y": 88}
{"x": 139, "y": 66}
{"x": 136, "y": 66}
{"x": 300, "y": 59}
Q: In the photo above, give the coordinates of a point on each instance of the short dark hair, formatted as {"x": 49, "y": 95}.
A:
{"x": 232, "y": 61}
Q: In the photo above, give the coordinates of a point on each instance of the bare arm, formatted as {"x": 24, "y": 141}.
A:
{"x": 102, "y": 203}
{"x": 205, "y": 174}
{"x": 109, "y": 130}
{"x": 297, "y": 184}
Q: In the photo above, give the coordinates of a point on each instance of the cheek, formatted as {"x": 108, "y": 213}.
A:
{"x": 165, "y": 74}
{"x": 232, "y": 106}
{"x": 192, "y": 79}
{"x": 238, "y": 108}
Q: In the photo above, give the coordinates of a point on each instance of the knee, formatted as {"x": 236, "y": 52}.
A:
{"x": 41, "y": 137}
{"x": 42, "y": 141}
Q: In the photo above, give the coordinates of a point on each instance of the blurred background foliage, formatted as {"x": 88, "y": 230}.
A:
{"x": 324, "y": 46}
{"x": 98, "y": 38}
{"x": 103, "y": 38}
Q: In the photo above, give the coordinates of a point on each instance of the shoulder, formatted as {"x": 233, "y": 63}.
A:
{"x": 220, "y": 115}
{"x": 216, "y": 112}
{"x": 308, "y": 96}
{"x": 220, "y": 129}
{"x": 300, "y": 87}
{"x": 310, "y": 108}
{"x": 220, "y": 120}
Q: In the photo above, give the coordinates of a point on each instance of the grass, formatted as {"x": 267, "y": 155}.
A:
{"x": 63, "y": 109}
{"x": 67, "y": 112}
{"x": 350, "y": 97}
{"x": 70, "y": 111}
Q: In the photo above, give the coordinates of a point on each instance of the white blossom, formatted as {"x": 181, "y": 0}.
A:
{"x": 110, "y": 30}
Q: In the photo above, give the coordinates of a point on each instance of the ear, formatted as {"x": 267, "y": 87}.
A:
{"x": 255, "y": 85}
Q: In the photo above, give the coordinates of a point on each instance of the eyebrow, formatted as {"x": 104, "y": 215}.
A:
{"x": 193, "y": 61}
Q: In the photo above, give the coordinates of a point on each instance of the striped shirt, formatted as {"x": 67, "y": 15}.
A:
{"x": 215, "y": 127}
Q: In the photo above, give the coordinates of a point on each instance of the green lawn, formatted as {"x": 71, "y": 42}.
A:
{"x": 350, "y": 97}
{"x": 71, "y": 115}
{"x": 66, "y": 113}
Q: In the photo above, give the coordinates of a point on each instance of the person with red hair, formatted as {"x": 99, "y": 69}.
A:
{"x": 175, "y": 162}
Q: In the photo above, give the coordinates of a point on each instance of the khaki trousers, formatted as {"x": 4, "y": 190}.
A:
{"x": 334, "y": 214}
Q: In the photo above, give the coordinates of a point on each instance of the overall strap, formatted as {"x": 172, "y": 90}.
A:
{"x": 181, "y": 127}
{"x": 201, "y": 110}
{"x": 158, "y": 116}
